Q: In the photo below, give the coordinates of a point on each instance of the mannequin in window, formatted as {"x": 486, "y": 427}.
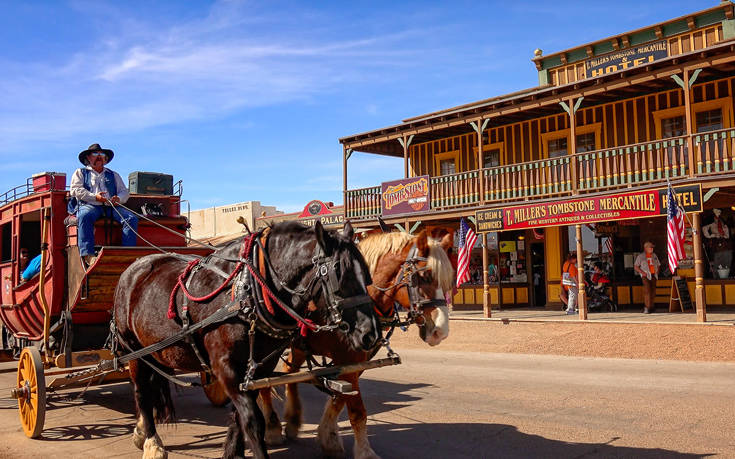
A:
{"x": 718, "y": 236}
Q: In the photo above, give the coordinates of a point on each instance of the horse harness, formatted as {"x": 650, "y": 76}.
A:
{"x": 251, "y": 301}
{"x": 408, "y": 277}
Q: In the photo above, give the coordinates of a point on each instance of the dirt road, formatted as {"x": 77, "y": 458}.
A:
{"x": 440, "y": 404}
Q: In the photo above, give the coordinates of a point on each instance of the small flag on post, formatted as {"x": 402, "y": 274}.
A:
{"x": 467, "y": 239}
{"x": 674, "y": 231}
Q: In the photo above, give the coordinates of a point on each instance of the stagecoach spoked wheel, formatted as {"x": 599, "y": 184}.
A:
{"x": 30, "y": 391}
{"x": 213, "y": 390}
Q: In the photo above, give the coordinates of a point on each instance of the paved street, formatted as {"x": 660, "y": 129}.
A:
{"x": 442, "y": 404}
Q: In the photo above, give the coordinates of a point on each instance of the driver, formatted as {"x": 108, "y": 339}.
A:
{"x": 95, "y": 187}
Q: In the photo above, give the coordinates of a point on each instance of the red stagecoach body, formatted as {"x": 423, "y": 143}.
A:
{"x": 85, "y": 296}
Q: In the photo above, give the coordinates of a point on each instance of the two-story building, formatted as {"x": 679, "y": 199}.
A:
{"x": 582, "y": 161}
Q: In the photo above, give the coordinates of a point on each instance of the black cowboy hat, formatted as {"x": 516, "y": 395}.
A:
{"x": 94, "y": 148}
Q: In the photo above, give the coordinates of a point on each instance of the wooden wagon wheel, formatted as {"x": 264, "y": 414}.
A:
{"x": 213, "y": 390}
{"x": 31, "y": 392}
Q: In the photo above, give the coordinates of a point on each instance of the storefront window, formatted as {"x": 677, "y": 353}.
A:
{"x": 711, "y": 120}
{"x": 447, "y": 167}
{"x": 491, "y": 158}
{"x": 673, "y": 127}
{"x": 512, "y": 262}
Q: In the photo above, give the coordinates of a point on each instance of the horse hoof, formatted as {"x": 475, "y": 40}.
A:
{"x": 138, "y": 438}
{"x": 274, "y": 436}
{"x": 153, "y": 448}
{"x": 292, "y": 431}
{"x": 330, "y": 443}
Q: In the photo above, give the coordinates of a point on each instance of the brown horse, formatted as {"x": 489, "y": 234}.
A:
{"x": 387, "y": 256}
{"x": 312, "y": 273}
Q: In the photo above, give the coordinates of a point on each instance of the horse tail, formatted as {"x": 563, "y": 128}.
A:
{"x": 160, "y": 393}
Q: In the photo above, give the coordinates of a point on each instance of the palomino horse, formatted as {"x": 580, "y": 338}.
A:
{"x": 387, "y": 256}
{"x": 314, "y": 277}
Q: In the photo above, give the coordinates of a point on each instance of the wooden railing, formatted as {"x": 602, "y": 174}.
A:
{"x": 363, "y": 203}
{"x": 606, "y": 169}
{"x": 637, "y": 164}
{"x": 455, "y": 190}
{"x": 547, "y": 177}
{"x": 715, "y": 151}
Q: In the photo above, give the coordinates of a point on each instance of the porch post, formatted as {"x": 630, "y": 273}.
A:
{"x": 688, "y": 120}
{"x": 698, "y": 268}
{"x": 344, "y": 180}
{"x": 580, "y": 276}
{"x": 479, "y": 127}
{"x": 572, "y": 152}
{"x": 405, "y": 143}
{"x": 486, "y": 304}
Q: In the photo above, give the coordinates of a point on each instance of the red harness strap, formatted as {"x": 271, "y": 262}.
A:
{"x": 247, "y": 243}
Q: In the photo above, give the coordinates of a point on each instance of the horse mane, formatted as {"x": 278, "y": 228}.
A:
{"x": 378, "y": 244}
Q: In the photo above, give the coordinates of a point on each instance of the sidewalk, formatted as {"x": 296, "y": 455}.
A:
{"x": 715, "y": 317}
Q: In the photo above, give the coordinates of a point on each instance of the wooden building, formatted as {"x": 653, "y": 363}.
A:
{"x": 625, "y": 114}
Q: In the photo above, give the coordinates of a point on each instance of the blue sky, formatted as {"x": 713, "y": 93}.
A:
{"x": 246, "y": 100}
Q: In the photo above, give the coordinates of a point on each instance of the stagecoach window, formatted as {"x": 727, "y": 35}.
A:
{"x": 491, "y": 158}
{"x": 672, "y": 127}
{"x": 447, "y": 167}
{"x": 5, "y": 242}
{"x": 711, "y": 120}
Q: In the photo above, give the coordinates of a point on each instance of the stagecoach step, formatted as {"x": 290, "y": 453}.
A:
{"x": 330, "y": 374}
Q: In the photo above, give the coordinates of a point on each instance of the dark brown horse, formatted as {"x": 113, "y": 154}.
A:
{"x": 293, "y": 272}
{"x": 387, "y": 256}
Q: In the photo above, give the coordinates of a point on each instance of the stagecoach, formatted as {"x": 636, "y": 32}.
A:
{"x": 57, "y": 322}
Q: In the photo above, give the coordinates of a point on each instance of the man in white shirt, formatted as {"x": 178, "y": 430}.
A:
{"x": 95, "y": 187}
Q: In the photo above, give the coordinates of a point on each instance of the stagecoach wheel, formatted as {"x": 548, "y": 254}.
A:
{"x": 31, "y": 392}
{"x": 213, "y": 390}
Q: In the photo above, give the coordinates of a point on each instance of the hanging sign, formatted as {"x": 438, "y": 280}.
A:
{"x": 635, "y": 56}
{"x": 405, "y": 196}
{"x": 604, "y": 208}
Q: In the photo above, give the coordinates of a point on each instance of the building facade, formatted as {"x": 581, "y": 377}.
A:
{"x": 579, "y": 162}
{"x": 221, "y": 222}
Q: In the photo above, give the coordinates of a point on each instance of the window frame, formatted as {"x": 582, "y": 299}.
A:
{"x": 595, "y": 128}
{"x": 723, "y": 103}
{"x": 439, "y": 157}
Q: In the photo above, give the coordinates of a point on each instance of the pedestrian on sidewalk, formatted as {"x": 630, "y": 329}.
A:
{"x": 569, "y": 281}
{"x": 647, "y": 266}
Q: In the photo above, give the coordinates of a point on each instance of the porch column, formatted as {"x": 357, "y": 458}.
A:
{"x": 346, "y": 152}
{"x": 688, "y": 120}
{"x": 486, "y": 304}
{"x": 405, "y": 143}
{"x": 698, "y": 268}
{"x": 571, "y": 110}
{"x": 479, "y": 126}
{"x": 580, "y": 276}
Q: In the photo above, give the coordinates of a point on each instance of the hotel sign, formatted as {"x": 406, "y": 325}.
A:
{"x": 405, "y": 196}
{"x": 634, "y": 56}
{"x": 639, "y": 204}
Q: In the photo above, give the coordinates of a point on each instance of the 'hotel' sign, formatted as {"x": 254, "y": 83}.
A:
{"x": 634, "y": 56}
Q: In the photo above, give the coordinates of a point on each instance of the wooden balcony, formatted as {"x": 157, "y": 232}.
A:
{"x": 610, "y": 169}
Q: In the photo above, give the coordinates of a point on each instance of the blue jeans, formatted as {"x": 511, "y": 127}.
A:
{"x": 88, "y": 214}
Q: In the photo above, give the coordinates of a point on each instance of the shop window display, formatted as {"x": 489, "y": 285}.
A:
{"x": 718, "y": 242}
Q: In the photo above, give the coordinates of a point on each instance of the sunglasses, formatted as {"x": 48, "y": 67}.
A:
{"x": 98, "y": 153}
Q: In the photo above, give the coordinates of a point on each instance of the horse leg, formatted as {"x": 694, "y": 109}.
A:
{"x": 358, "y": 419}
{"x": 293, "y": 402}
{"x": 328, "y": 433}
{"x": 251, "y": 422}
{"x": 234, "y": 442}
{"x": 273, "y": 431}
{"x": 144, "y": 434}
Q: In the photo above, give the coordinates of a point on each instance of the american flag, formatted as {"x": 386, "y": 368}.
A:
{"x": 609, "y": 245}
{"x": 674, "y": 231}
{"x": 467, "y": 239}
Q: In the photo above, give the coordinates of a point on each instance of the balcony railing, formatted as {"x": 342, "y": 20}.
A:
{"x": 607, "y": 169}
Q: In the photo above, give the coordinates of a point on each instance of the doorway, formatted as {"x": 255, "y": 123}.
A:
{"x": 538, "y": 274}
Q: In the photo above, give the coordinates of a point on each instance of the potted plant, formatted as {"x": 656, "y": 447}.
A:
{"x": 723, "y": 272}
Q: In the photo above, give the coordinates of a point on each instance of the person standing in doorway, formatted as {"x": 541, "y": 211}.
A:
{"x": 569, "y": 281}
{"x": 647, "y": 266}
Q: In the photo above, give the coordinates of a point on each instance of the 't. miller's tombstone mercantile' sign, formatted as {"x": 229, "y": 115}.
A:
{"x": 626, "y": 58}
{"x": 405, "y": 196}
{"x": 639, "y": 204}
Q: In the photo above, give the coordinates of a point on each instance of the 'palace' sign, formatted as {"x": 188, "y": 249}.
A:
{"x": 639, "y": 204}
{"x": 405, "y": 196}
{"x": 626, "y": 58}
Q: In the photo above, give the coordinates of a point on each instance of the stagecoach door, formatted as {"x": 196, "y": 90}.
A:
{"x": 6, "y": 263}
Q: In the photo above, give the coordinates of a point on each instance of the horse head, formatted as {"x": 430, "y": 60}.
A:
{"x": 416, "y": 273}
{"x": 332, "y": 276}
